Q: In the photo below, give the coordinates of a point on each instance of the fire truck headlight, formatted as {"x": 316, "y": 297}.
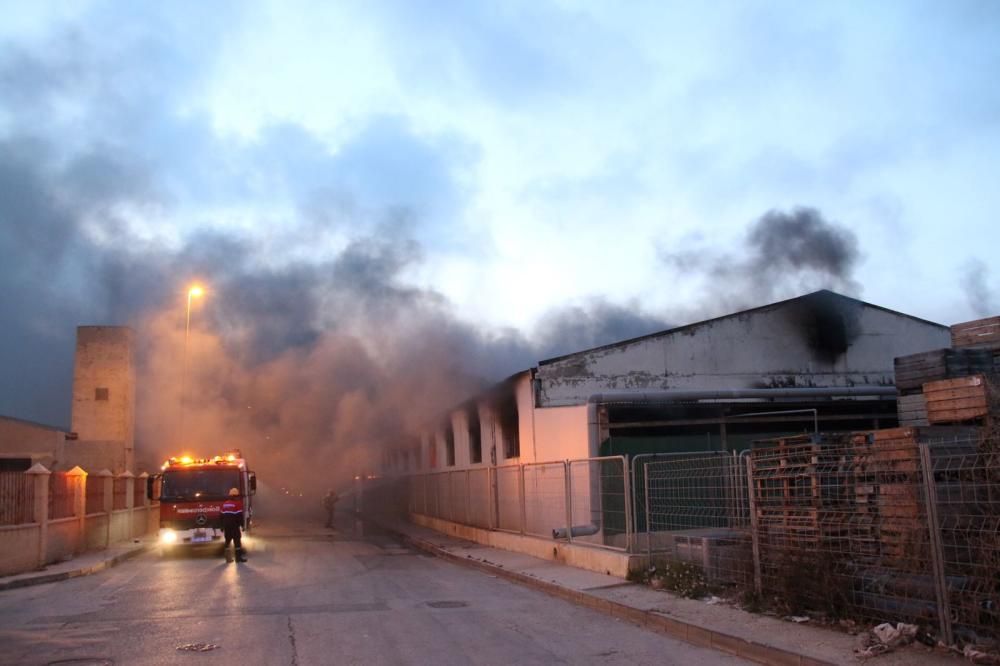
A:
{"x": 168, "y": 536}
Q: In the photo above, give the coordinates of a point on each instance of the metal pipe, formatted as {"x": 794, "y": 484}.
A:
{"x": 675, "y": 395}
{"x": 814, "y": 412}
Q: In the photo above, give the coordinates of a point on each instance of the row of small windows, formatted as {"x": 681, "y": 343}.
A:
{"x": 507, "y": 421}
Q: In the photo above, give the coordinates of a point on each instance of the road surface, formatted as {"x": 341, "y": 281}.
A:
{"x": 313, "y": 596}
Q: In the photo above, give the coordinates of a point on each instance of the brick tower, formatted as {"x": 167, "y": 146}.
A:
{"x": 103, "y": 413}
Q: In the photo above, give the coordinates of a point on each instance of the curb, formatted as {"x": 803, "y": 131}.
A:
{"x": 74, "y": 573}
{"x": 679, "y": 629}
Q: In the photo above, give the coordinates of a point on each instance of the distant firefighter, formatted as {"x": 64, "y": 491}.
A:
{"x": 330, "y": 503}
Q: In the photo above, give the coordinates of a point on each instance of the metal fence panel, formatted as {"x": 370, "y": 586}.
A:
{"x": 459, "y": 497}
{"x": 61, "y": 487}
{"x": 845, "y": 529}
{"x": 544, "y": 498}
{"x": 119, "y": 499}
{"x": 599, "y": 502}
{"x": 697, "y": 514}
{"x": 95, "y": 493}
{"x": 967, "y": 496}
{"x": 508, "y": 498}
{"x": 479, "y": 497}
{"x": 17, "y": 498}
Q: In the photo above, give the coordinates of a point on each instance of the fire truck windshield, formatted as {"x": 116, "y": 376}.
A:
{"x": 198, "y": 484}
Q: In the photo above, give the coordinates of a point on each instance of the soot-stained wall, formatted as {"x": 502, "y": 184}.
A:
{"x": 818, "y": 340}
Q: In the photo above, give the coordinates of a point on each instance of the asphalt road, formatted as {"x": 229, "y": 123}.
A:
{"x": 312, "y": 596}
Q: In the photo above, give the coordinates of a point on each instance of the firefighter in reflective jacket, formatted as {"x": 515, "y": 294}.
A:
{"x": 232, "y": 523}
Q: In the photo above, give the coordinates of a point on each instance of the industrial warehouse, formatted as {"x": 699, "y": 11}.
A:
{"x": 817, "y": 434}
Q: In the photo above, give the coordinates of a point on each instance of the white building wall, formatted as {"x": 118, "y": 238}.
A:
{"x": 765, "y": 348}
{"x": 561, "y": 433}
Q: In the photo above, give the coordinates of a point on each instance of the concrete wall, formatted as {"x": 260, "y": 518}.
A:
{"x": 23, "y": 439}
{"x": 583, "y": 557}
{"x": 44, "y": 541}
{"x": 104, "y": 389}
{"x": 18, "y": 548}
{"x": 63, "y": 539}
{"x": 820, "y": 340}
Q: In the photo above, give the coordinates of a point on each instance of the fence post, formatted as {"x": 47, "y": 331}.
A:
{"x": 567, "y": 476}
{"x": 520, "y": 484}
{"x": 627, "y": 488}
{"x": 79, "y": 485}
{"x": 937, "y": 553}
{"x": 758, "y": 583}
{"x": 40, "y": 511}
{"x": 649, "y": 518}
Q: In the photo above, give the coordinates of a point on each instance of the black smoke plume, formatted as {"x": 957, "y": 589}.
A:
{"x": 786, "y": 254}
{"x": 978, "y": 294}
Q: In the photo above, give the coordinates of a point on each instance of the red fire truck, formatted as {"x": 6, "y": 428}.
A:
{"x": 191, "y": 492}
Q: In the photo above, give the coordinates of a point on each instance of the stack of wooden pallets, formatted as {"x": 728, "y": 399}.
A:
{"x": 916, "y": 370}
{"x": 961, "y": 400}
{"x": 978, "y": 334}
{"x": 802, "y": 490}
{"x": 890, "y": 523}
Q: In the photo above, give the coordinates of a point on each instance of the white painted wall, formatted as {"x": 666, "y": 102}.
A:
{"x": 764, "y": 348}
{"x": 561, "y": 433}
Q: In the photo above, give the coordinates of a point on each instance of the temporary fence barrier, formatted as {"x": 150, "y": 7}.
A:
{"x": 872, "y": 526}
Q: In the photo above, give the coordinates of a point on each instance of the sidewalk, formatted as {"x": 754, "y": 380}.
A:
{"x": 761, "y": 638}
{"x": 81, "y": 565}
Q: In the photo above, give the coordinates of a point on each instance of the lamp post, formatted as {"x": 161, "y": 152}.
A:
{"x": 194, "y": 292}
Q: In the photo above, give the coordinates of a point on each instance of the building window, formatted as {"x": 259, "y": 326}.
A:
{"x": 509, "y": 426}
{"x": 475, "y": 437}
{"x": 101, "y": 394}
{"x": 449, "y": 446}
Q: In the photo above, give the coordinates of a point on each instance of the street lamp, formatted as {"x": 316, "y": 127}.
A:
{"x": 195, "y": 291}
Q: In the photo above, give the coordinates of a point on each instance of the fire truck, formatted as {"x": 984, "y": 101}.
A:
{"x": 191, "y": 492}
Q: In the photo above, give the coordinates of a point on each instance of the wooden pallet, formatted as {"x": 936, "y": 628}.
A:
{"x": 957, "y": 400}
{"x": 978, "y": 334}
{"x": 912, "y": 410}
{"x": 913, "y": 371}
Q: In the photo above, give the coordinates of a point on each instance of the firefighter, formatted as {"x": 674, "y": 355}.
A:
{"x": 232, "y": 523}
{"x": 330, "y": 503}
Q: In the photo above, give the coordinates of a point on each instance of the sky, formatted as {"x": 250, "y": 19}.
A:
{"x": 502, "y": 182}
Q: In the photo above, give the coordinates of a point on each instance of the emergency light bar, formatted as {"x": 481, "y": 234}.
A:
{"x": 229, "y": 457}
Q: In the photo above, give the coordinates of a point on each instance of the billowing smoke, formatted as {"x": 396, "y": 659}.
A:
{"x": 978, "y": 293}
{"x": 311, "y": 351}
{"x": 786, "y": 254}
{"x": 573, "y": 328}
